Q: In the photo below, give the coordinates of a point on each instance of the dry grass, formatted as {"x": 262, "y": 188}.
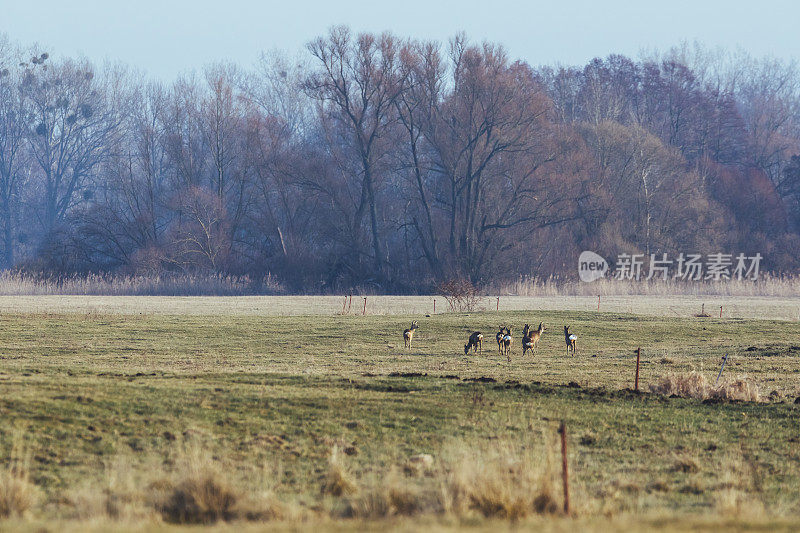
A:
{"x": 501, "y": 480}
{"x": 118, "y": 496}
{"x": 738, "y": 494}
{"x": 16, "y": 283}
{"x": 392, "y": 495}
{"x": 338, "y": 480}
{"x": 17, "y": 494}
{"x": 202, "y": 491}
{"x": 495, "y": 480}
{"x": 695, "y": 385}
{"x": 767, "y": 285}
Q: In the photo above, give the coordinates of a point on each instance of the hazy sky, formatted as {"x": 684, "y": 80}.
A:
{"x": 168, "y": 37}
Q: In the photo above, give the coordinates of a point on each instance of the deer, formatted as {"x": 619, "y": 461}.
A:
{"x": 499, "y": 336}
{"x": 531, "y": 338}
{"x": 475, "y": 342}
{"x": 409, "y": 334}
{"x": 570, "y": 339}
{"x": 507, "y": 344}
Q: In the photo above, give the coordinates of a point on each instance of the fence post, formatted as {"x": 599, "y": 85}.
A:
{"x": 598, "y": 302}
{"x": 720, "y": 311}
{"x": 638, "y": 355}
{"x": 498, "y": 303}
{"x": 434, "y": 306}
{"x": 724, "y": 360}
{"x": 564, "y": 469}
{"x": 365, "y": 306}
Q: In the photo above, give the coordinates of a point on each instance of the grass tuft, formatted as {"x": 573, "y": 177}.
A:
{"x": 200, "y": 499}
{"x": 338, "y": 480}
{"x": 17, "y": 493}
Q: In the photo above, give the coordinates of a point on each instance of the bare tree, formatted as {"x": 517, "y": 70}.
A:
{"x": 357, "y": 85}
{"x": 129, "y": 215}
{"x": 491, "y": 141}
{"x": 14, "y": 169}
{"x": 72, "y": 132}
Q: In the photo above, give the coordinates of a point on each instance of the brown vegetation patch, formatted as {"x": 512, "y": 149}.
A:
{"x": 695, "y": 385}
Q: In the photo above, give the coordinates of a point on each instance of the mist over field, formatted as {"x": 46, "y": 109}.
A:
{"x": 382, "y": 162}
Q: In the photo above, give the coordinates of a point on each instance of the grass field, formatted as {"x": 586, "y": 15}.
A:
{"x": 306, "y": 421}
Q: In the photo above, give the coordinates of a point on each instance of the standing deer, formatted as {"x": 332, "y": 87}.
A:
{"x": 499, "y": 336}
{"x": 531, "y": 338}
{"x": 475, "y": 342}
{"x": 570, "y": 339}
{"x": 507, "y": 344}
{"x": 409, "y": 334}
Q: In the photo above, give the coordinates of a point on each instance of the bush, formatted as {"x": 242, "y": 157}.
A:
{"x": 461, "y": 294}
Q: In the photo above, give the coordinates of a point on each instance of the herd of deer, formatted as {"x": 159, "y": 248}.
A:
{"x": 530, "y": 338}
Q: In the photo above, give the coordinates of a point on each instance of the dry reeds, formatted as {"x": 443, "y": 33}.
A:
{"x": 18, "y": 284}
{"x": 766, "y": 285}
{"x": 695, "y": 385}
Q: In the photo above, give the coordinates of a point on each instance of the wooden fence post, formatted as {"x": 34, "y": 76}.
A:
{"x": 365, "y": 306}
{"x": 638, "y": 355}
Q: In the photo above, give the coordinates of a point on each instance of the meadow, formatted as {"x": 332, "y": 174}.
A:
{"x": 151, "y": 413}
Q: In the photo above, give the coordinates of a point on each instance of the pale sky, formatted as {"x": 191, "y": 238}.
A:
{"x": 169, "y": 37}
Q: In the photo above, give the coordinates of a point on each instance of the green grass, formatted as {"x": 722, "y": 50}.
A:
{"x": 274, "y": 394}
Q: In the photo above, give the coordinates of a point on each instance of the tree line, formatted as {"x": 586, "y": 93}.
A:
{"x": 383, "y": 162}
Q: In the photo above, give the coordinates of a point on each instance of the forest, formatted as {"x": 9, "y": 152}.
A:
{"x": 374, "y": 160}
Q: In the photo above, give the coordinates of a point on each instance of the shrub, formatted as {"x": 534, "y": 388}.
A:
{"x": 461, "y": 294}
